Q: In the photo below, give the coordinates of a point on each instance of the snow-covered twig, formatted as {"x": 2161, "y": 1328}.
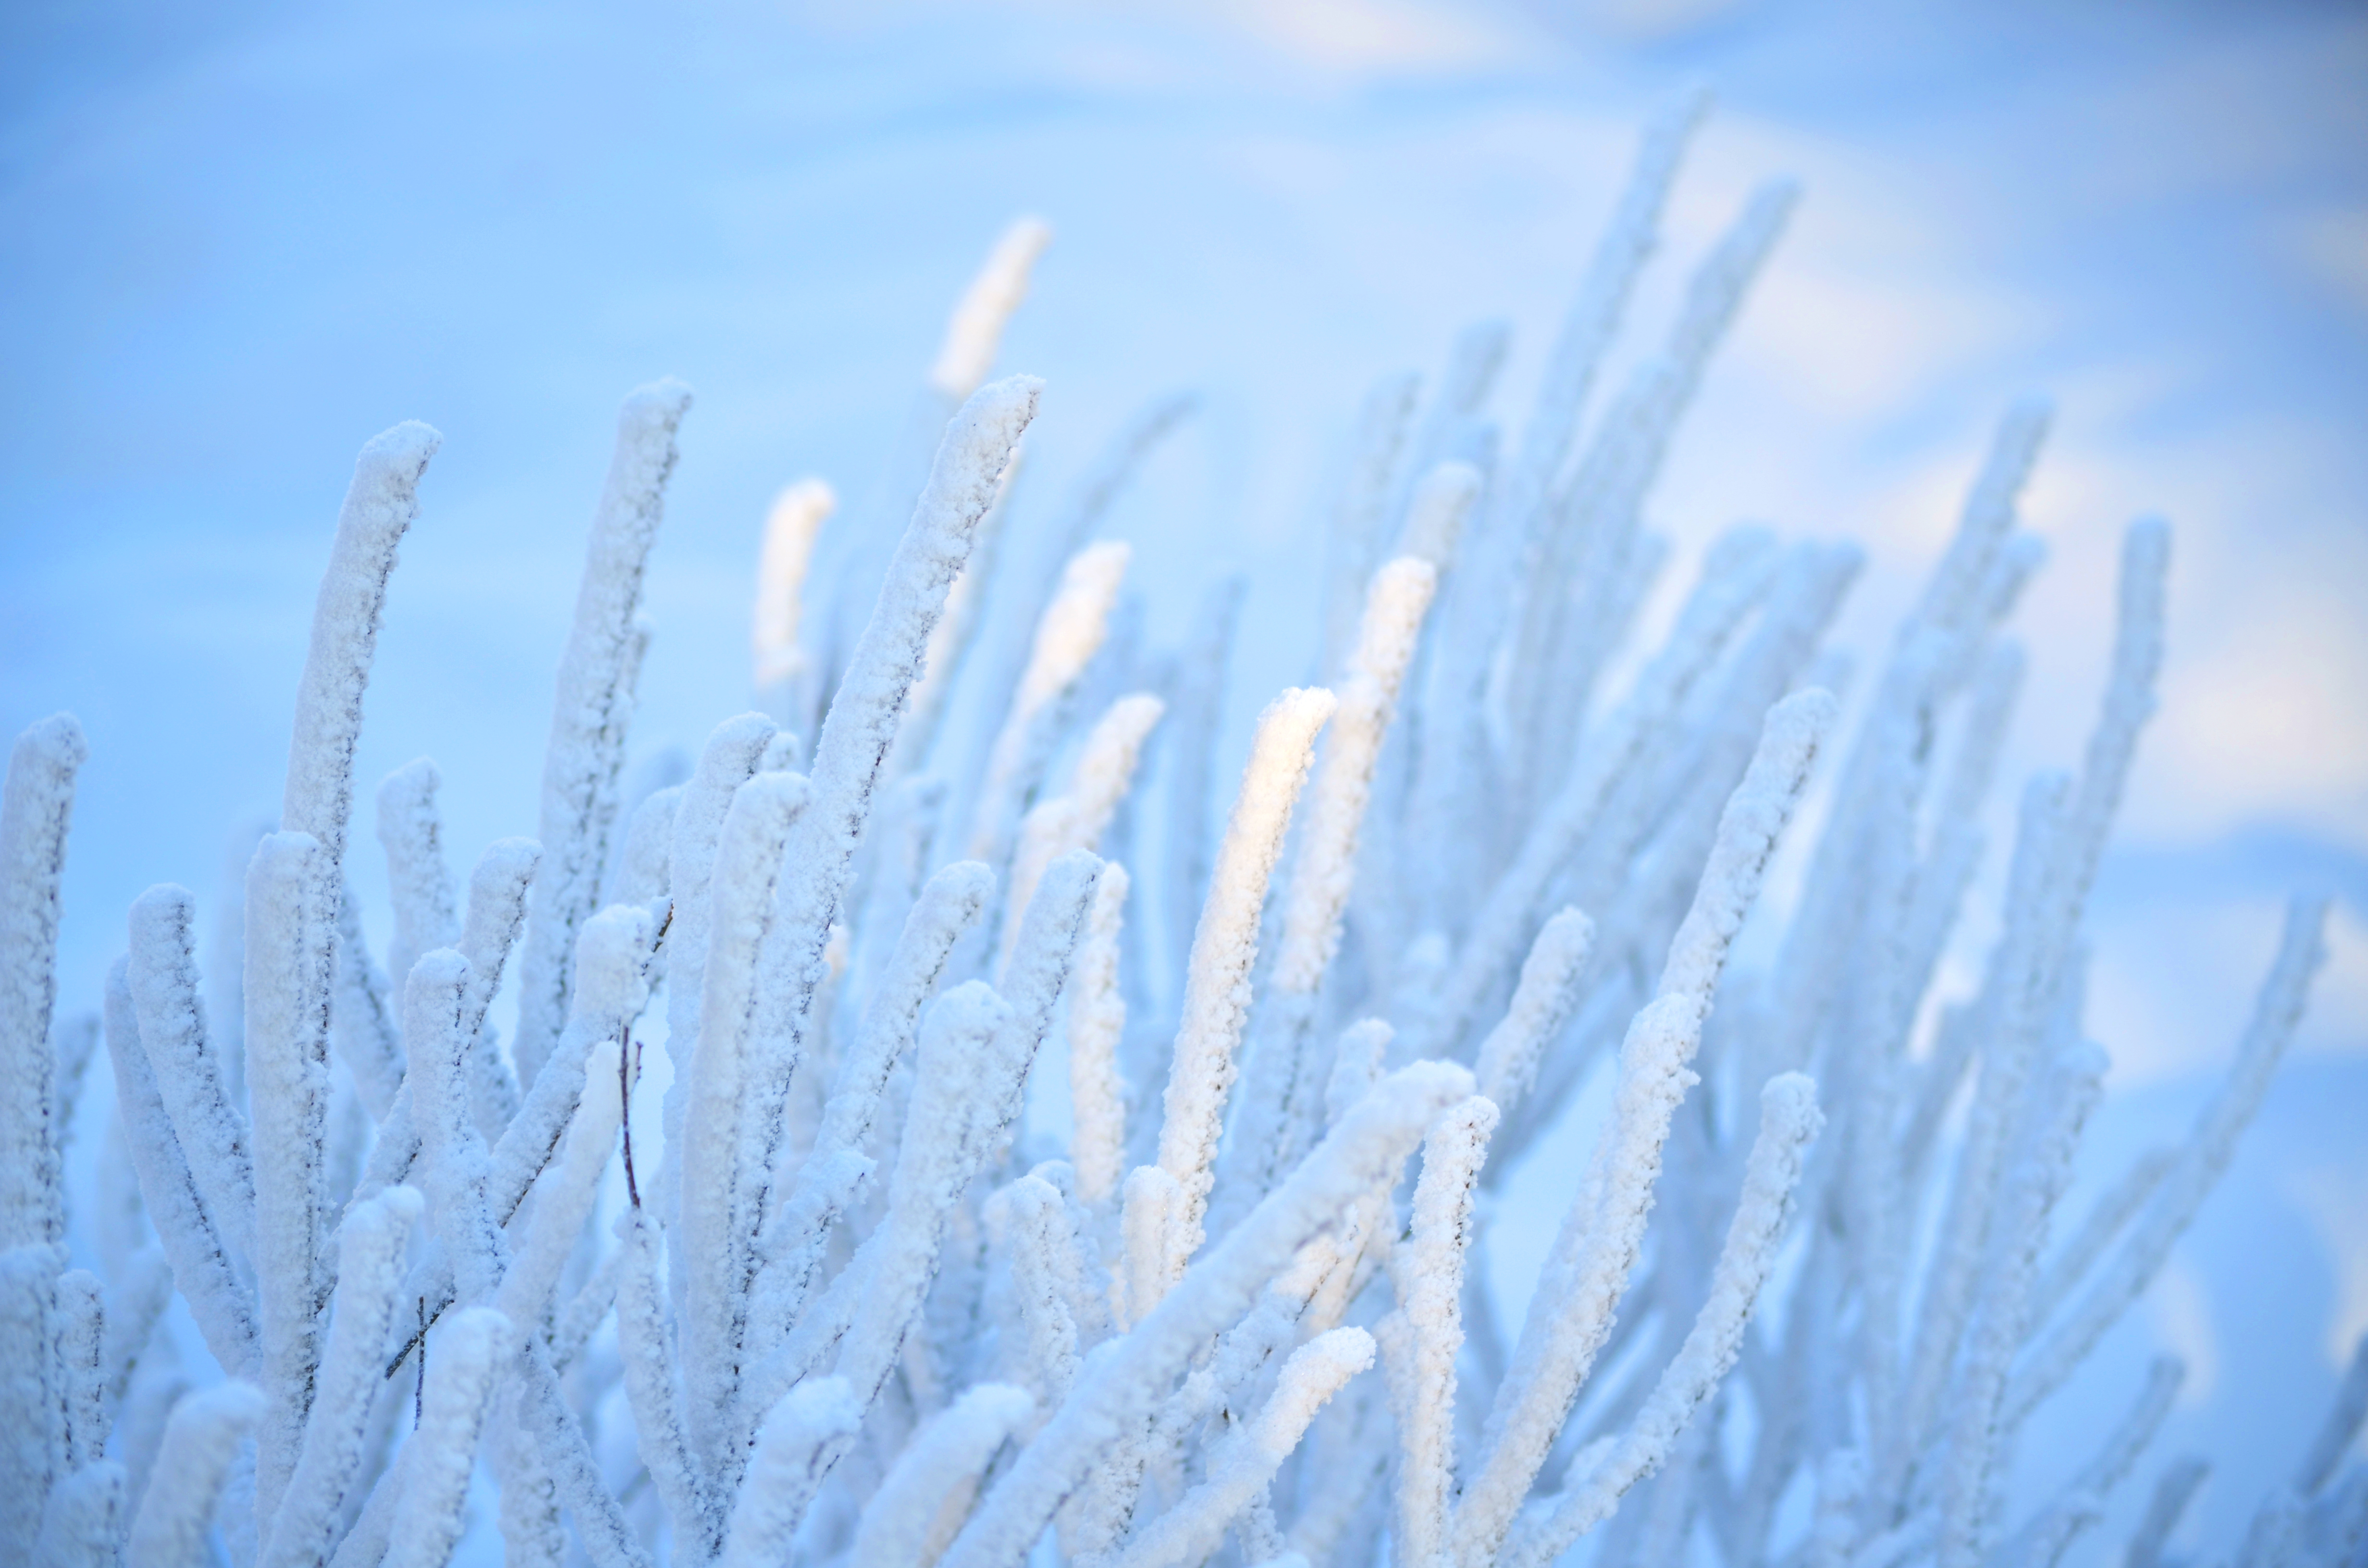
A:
{"x": 1224, "y": 945}
{"x": 201, "y": 1444}
{"x": 34, "y": 811}
{"x": 595, "y": 703}
{"x": 921, "y": 1496}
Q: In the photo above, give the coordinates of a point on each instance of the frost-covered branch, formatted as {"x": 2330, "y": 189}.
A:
{"x": 589, "y": 716}
{"x": 34, "y": 812}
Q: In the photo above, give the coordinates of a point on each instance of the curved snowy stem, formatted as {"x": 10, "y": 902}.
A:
{"x": 971, "y": 337}
{"x": 1246, "y": 1463}
{"x": 380, "y": 506}
{"x": 612, "y": 963}
{"x": 1123, "y": 1377}
{"x": 364, "y": 1545}
{"x": 1789, "y": 1121}
{"x": 219, "y": 1298}
{"x": 964, "y": 1072}
{"x": 453, "y": 1165}
{"x": 1345, "y": 1512}
{"x": 83, "y": 1526}
{"x": 498, "y": 899}
{"x": 1020, "y": 596}
{"x": 226, "y": 966}
{"x": 1996, "y": 684}
{"x": 32, "y": 1431}
{"x": 1559, "y": 642}
{"x": 899, "y": 839}
{"x": 717, "y": 1236}
{"x": 529, "y": 1514}
{"x": 613, "y": 956}
{"x": 731, "y": 756}
{"x": 1277, "y": 1115}
{"x": 1067, "y": 636}
{"x": 639, "y": 873}
{"x": 797, "y": 517}
{"x": 574, "y": 1323}
{"x": 418, "y": 886}
{"x": 1031, "y": 1221}
{"x": 2203, "y": 1156}
{"x": 853, "y": 748}
{"x": 1428, "y": 1274}
{"x": 369, "y": 1261}
{"x": 2092, "y": 1243}
{"x": 798, "y": 1231}
{"x": 1031, "y": 983}
{"x": 974, "y": 1059}
{"x": 1148, "y": 1205}
{"x": 925, "y": 1493}
{"x": 2079, "y": 1504}
{"x": 1105, "y": 770}
{"x": 1508, "y": 1061}
{"x": 75, "y": 1039}
{"x": 362, "y": 1024}
{"x": 802, "y": 1437}
{"x": 497, "y": 888}
{"x": 1096, "y": 1025}
{"x": 1588, "y": 1272}
{"x": 467, "y": 1354}
{"x": 1748, "y": 831}
{"x": 574, "y": 1475}
{"x": 1952, "y": 1278}
{"x": 81, "y": 1337}
{"x": 1474, "y": 356}
{"x": 1628, "y": 241}
{"x": 566, "y": 1193}
{"x": 201, "y": 1440}
{"x": 976, "y": 329}
{"x": 164, "y": 979}
{"x": 1225, "y": 947}
{"x": 1972, "y": 1437}
{"x": 2128, "y": 703}
{"x": 646, "y": 1345}
{"x": 1954, "y": 598}
{"x": 2173, "y": 1493}
{"x": 591, "y": 711}
{"x": 143, "y": 1288}
{"x": 1499, "y": 929}
{"x": 141, "y": 1430}
{"x": 35, "y": 809}
{"x": 1357, "y": 1063}
{"x": 287, "y": 944}
{"x": 1196, "y": 702}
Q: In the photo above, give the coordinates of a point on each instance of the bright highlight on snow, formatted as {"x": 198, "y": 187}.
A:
{"x": 842, "y": 1295}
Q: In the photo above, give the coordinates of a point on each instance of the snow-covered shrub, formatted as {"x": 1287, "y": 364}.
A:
{"x": 835, "y": 1303}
